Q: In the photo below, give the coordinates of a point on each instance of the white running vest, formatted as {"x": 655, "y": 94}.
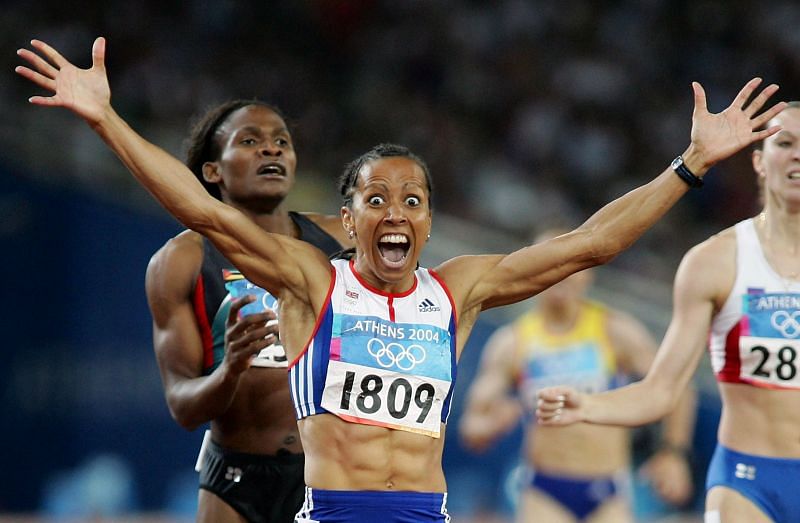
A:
{"x": 755, "y": 338}
{"x": 380, "y": 359}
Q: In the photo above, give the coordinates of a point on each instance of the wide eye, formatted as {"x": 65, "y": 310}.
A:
{"x": 412, "y": 201}
{"x": 375, "y": 200}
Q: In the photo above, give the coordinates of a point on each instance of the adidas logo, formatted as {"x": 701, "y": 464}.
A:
{"x": 427, "y": 305}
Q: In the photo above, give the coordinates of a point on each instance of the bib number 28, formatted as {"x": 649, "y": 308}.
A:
{"x": 786, "y": 368}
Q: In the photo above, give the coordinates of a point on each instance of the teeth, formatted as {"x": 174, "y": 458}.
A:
{"x": 794, "y": 175}
{"x": 394, "y": 238}
{"x": 271, "y": 169}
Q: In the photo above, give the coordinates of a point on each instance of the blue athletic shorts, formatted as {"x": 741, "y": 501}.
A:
{"x": 346, "y": 506}
{"x": 581, "y": 496}
{"x": 772, "y": 484}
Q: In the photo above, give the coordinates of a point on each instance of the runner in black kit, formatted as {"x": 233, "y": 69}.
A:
{"x": 252, "y": 466}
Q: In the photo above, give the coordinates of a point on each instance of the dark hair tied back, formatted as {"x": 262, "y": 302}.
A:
{"x": 349, "y": 178}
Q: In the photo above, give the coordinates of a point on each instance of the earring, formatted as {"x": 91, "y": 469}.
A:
{"x": 350, "y": 234}
{"x": 429, "y": 236}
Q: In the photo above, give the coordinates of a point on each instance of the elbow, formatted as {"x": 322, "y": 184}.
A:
{"x": 605, "y": 258}
{"x": 183, "y": 418}
{"x": 657, "y": 410}
{"x": 596, "y": 258}
{"x": 200, "y": 223}
{"x": 185, "y": 422}
{"x": 610, "y": 248}
{"x": 465, "y": 431}
{"x": 471, "y": 435}
{"x": 198, "y": 216}
{"x": 662, "y": 399}
{"x": 603, "y": 246}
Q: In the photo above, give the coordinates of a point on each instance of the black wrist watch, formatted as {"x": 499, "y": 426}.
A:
{"x": 685, "y": 174}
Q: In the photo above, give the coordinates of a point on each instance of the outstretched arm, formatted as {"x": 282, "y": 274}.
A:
{"x": 703, "y": 276}
{"x": 491, "y": 281}
{"x": 490, "y": 411}
{"x": 86, "y": 93}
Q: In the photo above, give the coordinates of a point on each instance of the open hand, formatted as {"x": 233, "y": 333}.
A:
{"x": 718, "y": 136}
{"x": 83, "y": 91}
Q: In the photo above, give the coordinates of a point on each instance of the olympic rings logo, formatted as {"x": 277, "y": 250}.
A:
{"x": 269, "y": 302}
{"x": 786, "y": 323}
{"x": 395, "y": 354}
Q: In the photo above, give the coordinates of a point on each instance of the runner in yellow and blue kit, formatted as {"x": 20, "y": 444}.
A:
{"x": 578, "y": 473}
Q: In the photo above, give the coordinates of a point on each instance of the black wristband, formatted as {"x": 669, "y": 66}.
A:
{"x": 685, "y": 174}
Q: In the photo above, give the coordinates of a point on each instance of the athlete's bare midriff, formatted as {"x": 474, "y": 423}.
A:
{"x": 260, "y": 419}
{"x": 760, "y": 421}
{"x": 349, "y": 456}
{"x": 580, "y": 450}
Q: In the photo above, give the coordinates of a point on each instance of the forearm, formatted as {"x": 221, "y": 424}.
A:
{"x": 636, "y": 404}
{"x": 481, "y": 427}
{"x": 617, "y": 225}
{"x": 193, "y": 402}
{"x": 164, "y": 176}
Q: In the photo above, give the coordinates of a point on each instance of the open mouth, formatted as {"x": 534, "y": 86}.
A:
{"x": 794, "y": 175}
{"x": 394, "y": 248}
{"x": 272, "y": 169}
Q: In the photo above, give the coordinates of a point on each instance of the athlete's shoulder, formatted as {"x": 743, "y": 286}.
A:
{"x": 331, "y": 224}
{"x": 185, "y": 244}
{"x": 714, "y": 250}
{"x": 708, "y": 269}
{"x": 180, "y": 257}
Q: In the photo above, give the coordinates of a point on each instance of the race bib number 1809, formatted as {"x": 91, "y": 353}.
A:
{"x": 388, "y": 374}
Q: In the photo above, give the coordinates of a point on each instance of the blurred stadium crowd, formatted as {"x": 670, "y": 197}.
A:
{"x": 551, "y": 108}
